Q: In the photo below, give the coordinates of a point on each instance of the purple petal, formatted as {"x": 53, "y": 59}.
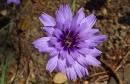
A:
{"x": 82, "y": 27}
{"x": 95, "y": 52}
{"x": 59, "y": 26}
{"x": 78, "y": 70}
{"x": 84, "y": 30}
{"x": 54, "y": 52}
{"x": 63, "y": 53}
{"x": 48, "y": 31}
{"x": 92, "y": 31}
{"x": 82, "y": 61}
{"x": 66, "y": 12}
{"x": 92, "y": 60}
{"x": 69, "y": 59}
{"x": 82, "y": 44}
{"x": 47, "y": 20}
{"x": 42, "y": 44}
{"x": 59, "y": 17}
{"x": 98, "y": 39}
{"x": 67, "y": 25}
{"x": 74, "y": 53}
{"x": 78, "y": 17}
{"x": 61, "y": 65}
{"x": 84, "y": 50}
{"x": 85, "y": 36}
{"x": 91, "y": 44}
{"x": 68, "y": 73}
{"x": 59, "y": 46}
{"x": 52, "y": 63}
{"x": 89, "y": 32}
{"x": 74, "y": 28}
{"x": 54, "y": 40}
{"x": 43, "y": 39}
{"x": 89, "y": 20}
{"x": 81, "y": 71}
{"x": 71, "y": 74}
{"x": 58, "y": 33}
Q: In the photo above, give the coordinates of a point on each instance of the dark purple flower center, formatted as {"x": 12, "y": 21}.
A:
{"x": 69, "y": 40}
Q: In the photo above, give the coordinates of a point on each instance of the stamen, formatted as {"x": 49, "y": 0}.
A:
{"x": 70, "y": 40}
{"x": 68, "y": 33}
{"x": 76, "y": 45}
{"x": 77, "y": 36}
{"x": 69, "y": 43}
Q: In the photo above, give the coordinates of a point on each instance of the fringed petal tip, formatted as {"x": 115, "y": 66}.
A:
{"x": 47, "y": 20}
{"x": 42, "y": 44}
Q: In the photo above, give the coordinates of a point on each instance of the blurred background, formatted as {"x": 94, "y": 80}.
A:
{"x": 27, "y": 65}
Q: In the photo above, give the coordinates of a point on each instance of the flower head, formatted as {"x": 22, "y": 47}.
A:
{"x": 71, "y": 42}
{"x": 13, "y": 1}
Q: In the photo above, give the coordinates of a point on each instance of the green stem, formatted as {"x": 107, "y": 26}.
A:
{"x": 5, "y": 67}
{"x": 7, "y": 39}
{"x": 5, "y": 42}
{"x": 14, "y": 7}
{"x": 16, "y": 16}
{"x": 73, "y": 6}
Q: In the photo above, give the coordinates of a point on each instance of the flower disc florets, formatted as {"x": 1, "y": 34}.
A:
{"x": 71, "y": 42}
{"x": 69, "y": 39}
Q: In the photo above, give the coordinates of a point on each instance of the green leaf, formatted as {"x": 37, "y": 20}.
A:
{"x": 33, "y": 80}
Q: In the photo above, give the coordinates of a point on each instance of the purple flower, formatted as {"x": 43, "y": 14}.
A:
{"x": 71, "y": 42}
{"x": 13, "y": 1}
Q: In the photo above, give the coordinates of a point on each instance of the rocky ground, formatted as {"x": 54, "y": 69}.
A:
{"x": 28, "y": 65}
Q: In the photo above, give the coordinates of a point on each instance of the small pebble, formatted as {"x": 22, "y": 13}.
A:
{"x": 60, "y": 78}
{"x": 123, "y": 27}
{"x": 97, "y": 83}
{"x": 4, "y": 12}
{"x": 119, "y": 15}
{"x": 104, "y": 12}
{"x": 85, "y": 82}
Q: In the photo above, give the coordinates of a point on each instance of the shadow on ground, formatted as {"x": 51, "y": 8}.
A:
{"x": 95, "y": 4}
